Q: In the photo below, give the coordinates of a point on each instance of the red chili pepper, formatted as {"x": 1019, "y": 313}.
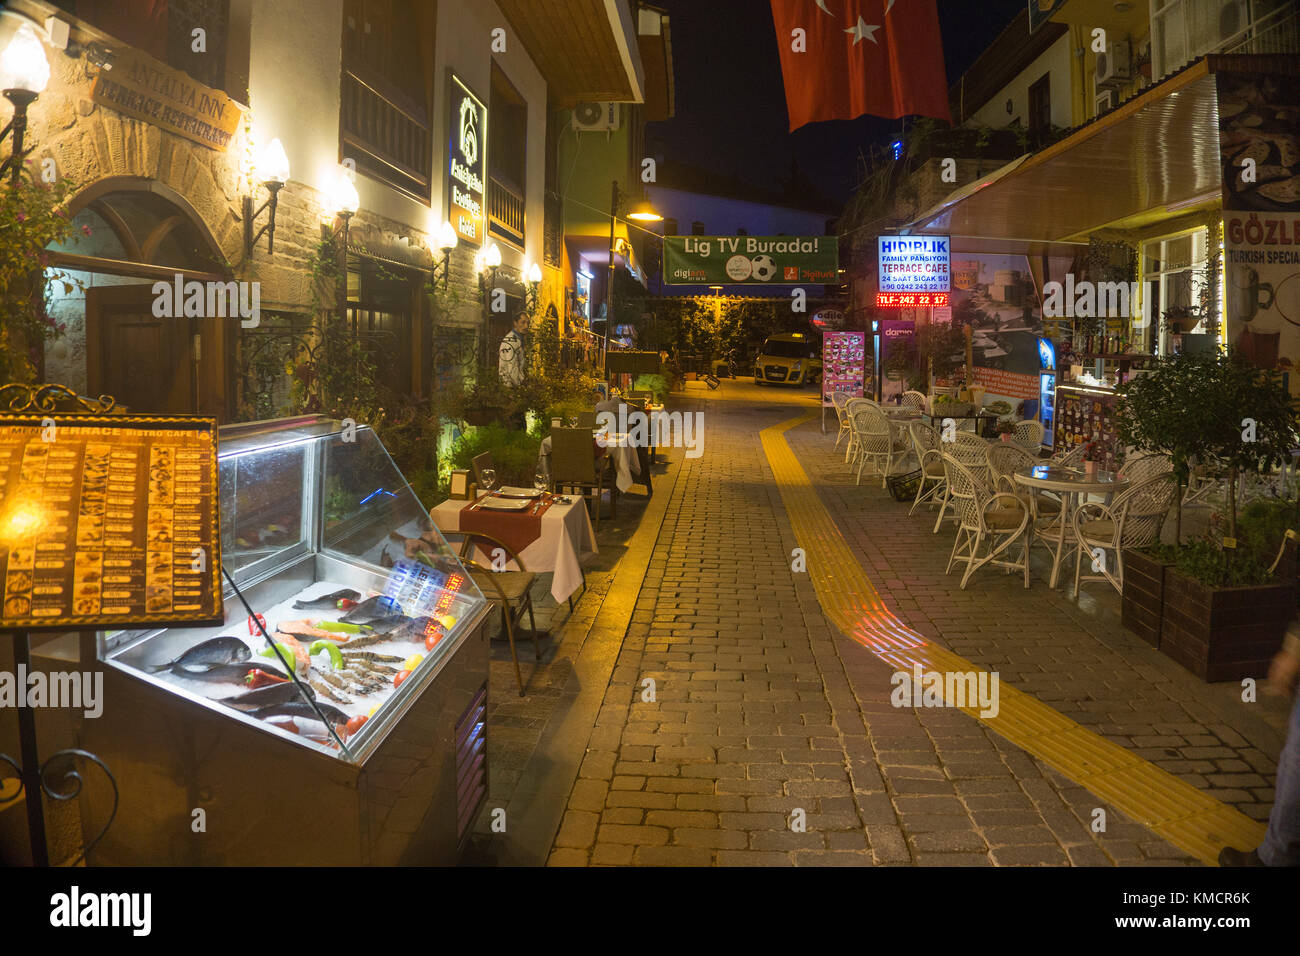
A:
{"x": 259, "y": 678}
{"x": 346, "y": 604}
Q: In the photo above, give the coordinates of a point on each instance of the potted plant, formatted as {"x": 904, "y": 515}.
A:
{"x": 1090, "y": 457}
{"x": 1217, "y": 610}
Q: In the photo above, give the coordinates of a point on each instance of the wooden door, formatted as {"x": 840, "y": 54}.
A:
{"x": 143, "y": 361}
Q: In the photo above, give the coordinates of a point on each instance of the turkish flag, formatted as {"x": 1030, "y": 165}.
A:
{"x": 882, "y": 57}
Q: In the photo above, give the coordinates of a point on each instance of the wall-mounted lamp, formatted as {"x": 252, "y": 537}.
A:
{"x": 445, "y": 240}
{"x": 346, "y": 202}
{"x": 273, "y": 167}
{"x": 532, "y": 273}
{"x": 24, "y": 72}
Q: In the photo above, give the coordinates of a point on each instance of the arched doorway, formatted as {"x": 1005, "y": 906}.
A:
{"x": 131, "y": 233}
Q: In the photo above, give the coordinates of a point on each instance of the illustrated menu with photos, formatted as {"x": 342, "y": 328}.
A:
{"x": 108, "y": 521}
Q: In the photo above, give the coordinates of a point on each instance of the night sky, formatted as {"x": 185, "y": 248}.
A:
{"x": 730, "y": 100}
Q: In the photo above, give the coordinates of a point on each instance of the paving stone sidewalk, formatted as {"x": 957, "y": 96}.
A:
{"x": 763, "y": 715}
{"x": 1074, "y": 655}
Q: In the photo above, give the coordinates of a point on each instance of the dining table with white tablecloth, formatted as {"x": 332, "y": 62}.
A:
{"x": 565, "y": 536}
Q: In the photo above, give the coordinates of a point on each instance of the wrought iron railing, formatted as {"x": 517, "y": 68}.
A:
{"x": 1275, "y": 32}
{"x": 388, "y": 139}
{"x": 505, "y": 211}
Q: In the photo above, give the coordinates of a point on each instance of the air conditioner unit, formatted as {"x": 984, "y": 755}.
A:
{"x": 1105, "y": 102}
{"x": 589, "y": 117}
{"x": 1115, "y": 65}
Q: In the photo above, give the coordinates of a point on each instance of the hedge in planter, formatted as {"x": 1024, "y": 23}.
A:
{"x": 1223, "y": 614}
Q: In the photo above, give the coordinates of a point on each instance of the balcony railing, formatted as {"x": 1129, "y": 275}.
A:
{"x": 505, "y": 211}
{"x": 1276, "y": 32}
{"x": 388, "y": 140}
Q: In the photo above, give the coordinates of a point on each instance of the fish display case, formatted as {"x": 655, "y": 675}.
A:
{"x": 338, "y": 714}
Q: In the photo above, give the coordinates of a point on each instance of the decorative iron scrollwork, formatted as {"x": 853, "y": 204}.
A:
{"x": 18, "y": 397}
{"x": 72, "y": 775}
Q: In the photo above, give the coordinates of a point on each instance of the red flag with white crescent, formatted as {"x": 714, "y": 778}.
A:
{"x": 854, "y": 57}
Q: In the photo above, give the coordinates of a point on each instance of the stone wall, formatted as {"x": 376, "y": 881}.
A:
{"x": 89, "y": 143}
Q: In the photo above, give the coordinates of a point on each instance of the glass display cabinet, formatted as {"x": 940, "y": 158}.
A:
{"x": 338, "y": 716}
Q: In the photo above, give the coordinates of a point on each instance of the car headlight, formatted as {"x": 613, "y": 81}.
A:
{"x": 798, "y": 366}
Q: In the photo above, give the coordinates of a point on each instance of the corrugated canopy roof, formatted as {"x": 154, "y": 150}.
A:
{"x": 1159, "y": 149}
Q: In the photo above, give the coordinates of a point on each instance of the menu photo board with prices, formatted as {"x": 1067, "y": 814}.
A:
{"x": 108, "y": 522}
{"x": 1086, "y": 416}
{"x": 843, "y": 364}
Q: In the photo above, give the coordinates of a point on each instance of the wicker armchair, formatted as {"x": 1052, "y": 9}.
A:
{"x": 876, "y": 440}
{"x": 929, "y": 452}
{"x": 851, "y": 408}
{"x": 1141, "y": 467}
{"x": 1030, "y": 434}
{"x": 913, "y": 399}
{"x": 1004, "y": 460}
{"x": 999, "y": 518}
{"x": 1132, "y": 520}
{"x": 840, "y": 400}
{"x": 969, "y": 450}
{"x": 1070, "y": 457}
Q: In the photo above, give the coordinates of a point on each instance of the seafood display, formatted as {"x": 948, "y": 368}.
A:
{"x": 219, "y": 650}
{"x": 349, "y": 654}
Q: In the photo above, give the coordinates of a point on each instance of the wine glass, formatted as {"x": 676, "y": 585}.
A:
{"x": 489, "y": 477}
{"x": 540, "y": 482}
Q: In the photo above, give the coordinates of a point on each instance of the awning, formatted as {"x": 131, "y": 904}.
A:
{"x": 586, "y": 49}
{"x": 1154, "y": 156}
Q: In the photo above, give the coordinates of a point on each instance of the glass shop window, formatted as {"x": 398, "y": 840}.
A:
{"x": 1173, "y": 279}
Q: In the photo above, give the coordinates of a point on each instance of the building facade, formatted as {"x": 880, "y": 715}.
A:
{"x": 161, "y": 112}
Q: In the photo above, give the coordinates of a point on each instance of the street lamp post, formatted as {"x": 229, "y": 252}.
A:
{"x": 609, "y": 276}
{"x": 644, "y": 212}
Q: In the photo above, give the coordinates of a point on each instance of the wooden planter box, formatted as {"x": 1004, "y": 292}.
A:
{"x": 1222, "y": 634}
{"x": 1143, "y": 600}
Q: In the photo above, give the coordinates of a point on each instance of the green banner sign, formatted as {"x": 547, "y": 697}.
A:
{"x": 751, "y": 260}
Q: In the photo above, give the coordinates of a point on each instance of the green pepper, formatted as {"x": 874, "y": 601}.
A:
{"x": 288, "y": 656}
{"x": 342, "y": 627}
{"x": 336, "y": 658}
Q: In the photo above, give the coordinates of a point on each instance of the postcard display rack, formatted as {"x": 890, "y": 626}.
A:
{"x": 360, "y": 738}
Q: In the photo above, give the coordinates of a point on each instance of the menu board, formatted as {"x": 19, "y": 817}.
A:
{"x": 1087, "y": 415}
{"x": 108, "y": 521}
{"x": 843, "y": 364}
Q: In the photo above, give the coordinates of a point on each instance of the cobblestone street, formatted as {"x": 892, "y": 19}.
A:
{"x": 739, "y": 727}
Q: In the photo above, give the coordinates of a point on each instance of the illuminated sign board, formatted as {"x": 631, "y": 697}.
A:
{"x": 914, "y": 264}
{"x": 911, "y": 300}
{"x": 467, "y": 164}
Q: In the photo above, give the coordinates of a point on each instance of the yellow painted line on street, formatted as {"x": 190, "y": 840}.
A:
{"x": 1191, "y": 820}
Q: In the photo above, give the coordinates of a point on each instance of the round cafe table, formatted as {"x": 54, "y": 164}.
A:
{"x": 1069, "y": 483}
